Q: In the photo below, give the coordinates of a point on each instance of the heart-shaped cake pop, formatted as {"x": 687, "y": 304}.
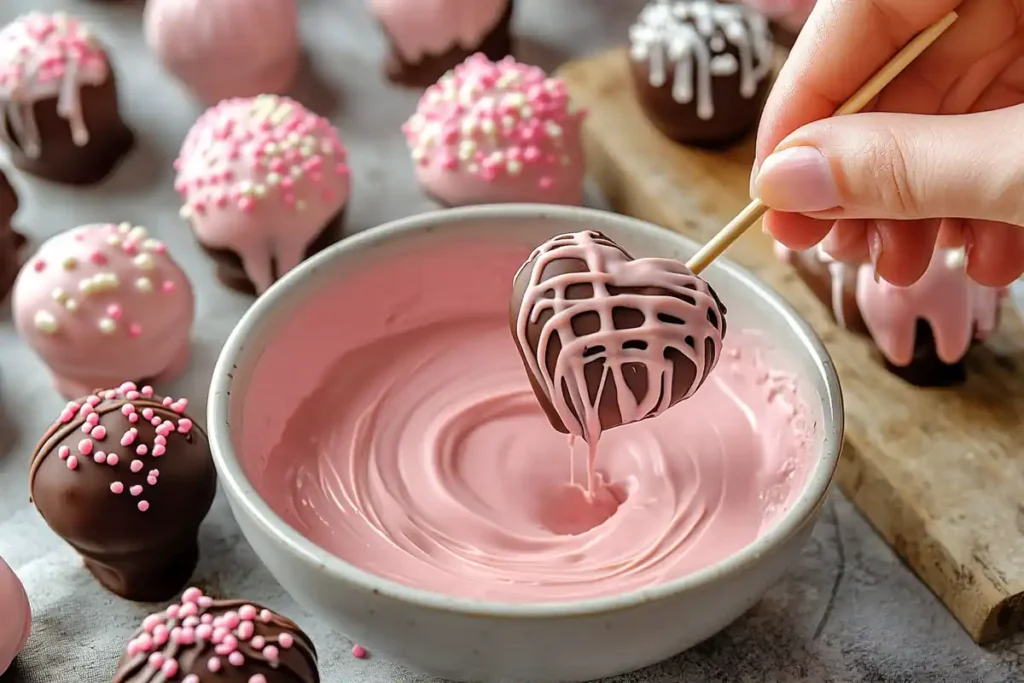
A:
{"x": 608, "y": 339}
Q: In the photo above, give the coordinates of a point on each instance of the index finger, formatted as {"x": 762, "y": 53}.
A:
{"x": 842, "y": 45}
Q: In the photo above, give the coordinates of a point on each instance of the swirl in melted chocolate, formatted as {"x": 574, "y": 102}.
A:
{"x": 202, "y": 640}
{"x": 607, "y": 339}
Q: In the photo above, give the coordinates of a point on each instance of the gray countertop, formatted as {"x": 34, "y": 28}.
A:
{"x": 848, "y": 612}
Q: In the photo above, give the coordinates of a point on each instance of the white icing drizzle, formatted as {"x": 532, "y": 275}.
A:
{"x": 44, "y": 56}
{"x": 691, "y": 39}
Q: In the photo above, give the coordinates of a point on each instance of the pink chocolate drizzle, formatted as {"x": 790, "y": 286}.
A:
{"x": 608, "y": 265}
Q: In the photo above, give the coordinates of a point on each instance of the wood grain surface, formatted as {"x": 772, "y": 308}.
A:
{"x": 939, "y": 472}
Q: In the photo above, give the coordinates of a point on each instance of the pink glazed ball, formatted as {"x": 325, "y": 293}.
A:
{"x": 226, "y": 48}
{"x": 17, "y": 616}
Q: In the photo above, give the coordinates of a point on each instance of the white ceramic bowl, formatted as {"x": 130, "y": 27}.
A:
{"x": 471, "y": 640}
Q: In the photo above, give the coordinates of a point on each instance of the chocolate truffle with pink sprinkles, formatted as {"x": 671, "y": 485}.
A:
{"x": 265, "y": 183}
{"x": 125, "y": 477}
{"x": 202, "y": 640}
{"x": 497, "y": 132}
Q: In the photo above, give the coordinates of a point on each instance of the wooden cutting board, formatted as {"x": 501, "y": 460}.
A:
{"x": 939, "y": 472}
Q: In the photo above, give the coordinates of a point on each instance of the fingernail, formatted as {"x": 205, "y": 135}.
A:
{"x": 753, "y": 179}
{"x": 799, "y": 180}
{"x": 874, "y": 249}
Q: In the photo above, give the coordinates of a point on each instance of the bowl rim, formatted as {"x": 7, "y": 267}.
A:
{"x": 243, "y": 494}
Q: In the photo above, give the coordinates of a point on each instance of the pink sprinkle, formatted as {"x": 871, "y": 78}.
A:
{"x": 160, "y": 634}
{"x": 359, "y": 652}
{"x": 72, "y": 462}
{"x": 156, "y": 660}
{"x": 99, "y": 432}
{"x": 258, "y": 642}
{"x": 133, "y": 418}
{"x": 117, "y": 487}
{"x": 189, "y": 609}
{"x": 147, "y": 413}
{"x": 141, "y": 449}
{"x": 127, "y": 409}
{"x": 151, "y": 481}
{"x": 206, "y": 601}
{"x": 147, "y": 391}
{"x": 271, "y": 653}
{"x": 129, "y": 437}
{"x": 266, "y": 615}
{"x": 137, "y": 465}
{"x": 172, "y": 611}
{"x": 85, "y": 446}
{"x": 246, "y": 630}
{"x": 143, "y": 505}
{"x": 39, "y": 266}
{"x": 191, "y": 622}
{"x": 236, "y": 658}
{"x": 204, "y": 631}
{"x": 63, "y": 452}
{"x": 285, "y": 640}
{"x": 151, "y": 622}
{"x": 247, "y": 612}
{"x": 115, "y": 311}
{"x": 134, "y": 330}
{"x": 170, "y": 668}
{"x": 184, "y": 425}
{"x": 230, "y": 619}
{"x": 100, "y": 457}
{"x": 154, "y": 473}
{"x": 168, "y": 286}
{"x": 191, "y": 678}
{"x": 112, "y": 459}
{"x": 213, "y": 664}
{"x": 257, "y": 678}
{"x": 135, "y": 490}
{"x": 145, "y": 642}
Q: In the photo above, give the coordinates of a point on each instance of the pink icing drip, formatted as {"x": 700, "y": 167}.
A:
{"x": 262, "y": 176}
{"x": 608, "y": 265}
{"x": 420, "y": 28}
{"x": 957, "y": 309}
{"x": 498, "y": 132}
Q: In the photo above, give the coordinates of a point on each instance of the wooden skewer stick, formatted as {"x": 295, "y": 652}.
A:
{"x": 748, "y": 216}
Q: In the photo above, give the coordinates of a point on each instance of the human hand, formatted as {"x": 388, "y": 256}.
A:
{"x": 947, "y": 169}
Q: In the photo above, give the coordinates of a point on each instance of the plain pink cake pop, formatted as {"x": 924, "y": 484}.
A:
{"x": 103, "y": 302}
{"x": 226, "y": 48}
{"x": 262, "y": 177}
{"x": 16, "y": 620}
{"x": 424, "y": 28}
{"x": 497, "y": 132}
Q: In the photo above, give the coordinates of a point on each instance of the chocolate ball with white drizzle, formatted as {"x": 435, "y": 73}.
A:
{"x": 59, "y": 112}
{"x": 608, "y": 339}
{"x": 702, "y": 69}
{"x": 125, "y": 477}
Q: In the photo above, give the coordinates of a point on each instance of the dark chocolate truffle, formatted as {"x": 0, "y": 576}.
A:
{"x": 701, "y": 69}
{"x": 60, "y": 116}
{"x": 202, "y": 640}
{"x": 125, "y": 477}
{"x": 429, "y": 37}
{"x": 11, "y": 242}
{"x": 608, "y": 339}
{"x": 923, "y": 332}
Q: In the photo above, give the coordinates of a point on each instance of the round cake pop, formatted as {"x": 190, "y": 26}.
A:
{"x": 494, "y": 132}
{"x": 16, "y": 623}
{"x": 265, "y": 183}
{"x": 202, "y": 640}
{"x": 608, "y": 339}
{"x": 430, "y": 37}
{"x": 11, "y": 242}
{"x": 701, "y": 69}
{"x": 103, "y": 302}
{"x": 923, "y": 331}
{"x": 60, "y": 115}
{"x": 226, "y": 48}
{"x": 125, "y": 477}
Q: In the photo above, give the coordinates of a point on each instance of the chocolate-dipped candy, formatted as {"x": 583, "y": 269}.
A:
{"x": 11, "y": 242}
{"x": 103, "y": 302}
{"x": 16, "y": 623}
{"x": 608, "y": 339}
{"x": 60, "y": 114}
{"x": 429, "y": 37}
{"x": 265, "y": 183}
{"x": 125, "y": 477}
{"x": 701, "y": 69}
{"x": 489, "y": 133}
{"x": 226, "y": 48}
{"x": 923, "y": 332}
{"x": 202, "y": 640}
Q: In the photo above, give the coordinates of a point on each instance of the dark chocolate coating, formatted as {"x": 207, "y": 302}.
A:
{"x": 496, "y": 45}
{"x": 735, "y": 116}
{"x": 636, "y": 374}
{"x": 60, "y": 158}
{"x": 925, "y": 368}
{"x": 229, "y": 264}
{"x": 11, "y": 242}
{"x": 146, "y": 555}
{"x": 295, "y": 664}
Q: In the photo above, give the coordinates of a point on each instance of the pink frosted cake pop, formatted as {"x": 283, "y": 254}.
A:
{"x": 17, "y": 616}
{"x": 497, "y": 133}
{"x": 265, "y": 183}
{"x": 226, "y": 48}
{"x": 103, "y": 302}
{"x": 59, "y": 111}
{"x": 429, "y": 37}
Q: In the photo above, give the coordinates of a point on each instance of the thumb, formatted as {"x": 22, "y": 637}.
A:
{"x": 901, "y": 167}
